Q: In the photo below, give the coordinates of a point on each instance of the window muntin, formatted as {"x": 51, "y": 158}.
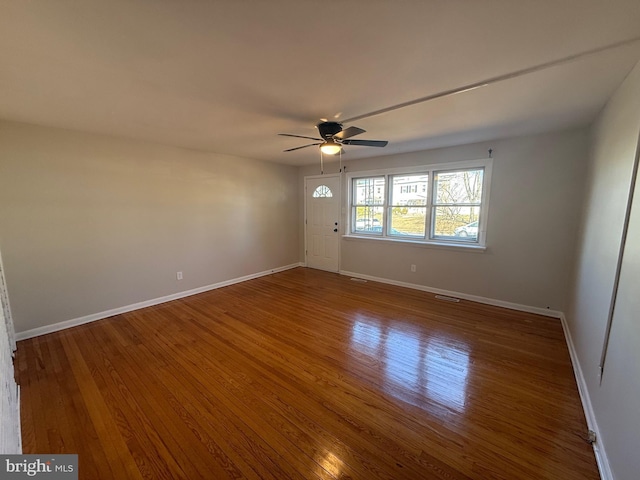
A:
{"x": 432, "y": 204}
{"x": 407, "y": 211}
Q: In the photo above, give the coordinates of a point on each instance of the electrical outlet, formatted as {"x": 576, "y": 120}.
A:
{"x": 179, "y": 275}
{"x": 413, "y": 268}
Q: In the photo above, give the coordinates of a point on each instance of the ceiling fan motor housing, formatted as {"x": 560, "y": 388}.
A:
{"x": 329, "y": 129}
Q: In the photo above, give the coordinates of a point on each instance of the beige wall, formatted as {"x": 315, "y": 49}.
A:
{"x": 90, "y": 223}
{"x": 536, "y": 192}
{"x": 616, "y": 402}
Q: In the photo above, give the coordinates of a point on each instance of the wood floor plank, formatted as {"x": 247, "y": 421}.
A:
{"x": 315, "y": 452}
{"x": 308, "y": 375}
{"x": 102, "y": 417}
{"x": 306, "y": 386}
{"x": 139, "y": 433}
{"x": 191, "y": 452}
{"x": 188, "y": 380}
{"x": 347, "y": 401}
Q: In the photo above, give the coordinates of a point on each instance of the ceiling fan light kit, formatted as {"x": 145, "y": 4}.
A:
{"x": 333, "y": 137}
{"x": 330, "y": 147}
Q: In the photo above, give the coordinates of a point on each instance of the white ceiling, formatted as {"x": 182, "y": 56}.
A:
{"x": 228, "y": 75}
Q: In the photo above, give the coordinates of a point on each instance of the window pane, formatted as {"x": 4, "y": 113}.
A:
{"x": 367, "y": 219}
{"x": 463, "y": 186}
{"x": 456, "y": 222}
{"x": 408, "y": 221}
{"x": 409, "y": 190}
{"x": 368, "y": 191}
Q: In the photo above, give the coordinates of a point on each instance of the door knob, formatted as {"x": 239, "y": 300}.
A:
{"x": 335, "y": 229}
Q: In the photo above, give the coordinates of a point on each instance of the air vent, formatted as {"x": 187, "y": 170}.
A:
{"x": 447, "y": 299}
{"x": 359, "y": 280}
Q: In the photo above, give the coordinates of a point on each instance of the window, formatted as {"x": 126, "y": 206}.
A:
{"x": 437, "y": 204}
{"x": 407, "y": 211}
{"x": 457, "y": 199}
{"x": 322, "y": 192}
{"x": 367, "y": 206}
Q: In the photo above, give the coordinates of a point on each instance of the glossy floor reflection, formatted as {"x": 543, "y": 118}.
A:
{"x": 414, "y": 367}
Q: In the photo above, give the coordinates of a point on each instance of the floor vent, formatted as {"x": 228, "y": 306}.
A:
{"x": 359, "y": 280}
{"x": 447, "y": 299}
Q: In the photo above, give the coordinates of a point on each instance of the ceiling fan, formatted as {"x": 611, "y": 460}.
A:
{"x": 334, "y": 136}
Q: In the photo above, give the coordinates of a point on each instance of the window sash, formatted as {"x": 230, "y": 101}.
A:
{"x": 367, "y": 224}
{"x": 407, "y": 207}
{"x": 402, "y": 233}
{"x": 375, "y": 198}
{"x": 460, "y": 228}
{"x": 436, "y": 182}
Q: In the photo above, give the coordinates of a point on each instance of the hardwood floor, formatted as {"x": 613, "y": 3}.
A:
{"x": 308, "y": 375}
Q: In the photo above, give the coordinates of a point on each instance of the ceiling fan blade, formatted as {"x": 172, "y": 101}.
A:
{"x": 304, "y": 146}
{"x": 298, "y": 136}
{"x": 366, "y": 143}
{"x": 349, "y": 132}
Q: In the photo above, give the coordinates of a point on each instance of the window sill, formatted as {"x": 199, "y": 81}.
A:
{"x": 419, "y": 243}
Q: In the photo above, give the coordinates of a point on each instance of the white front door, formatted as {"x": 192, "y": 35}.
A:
{"x": 322, "y": 200}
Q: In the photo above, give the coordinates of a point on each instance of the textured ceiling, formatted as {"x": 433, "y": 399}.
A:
{"x": 228, "y": 75}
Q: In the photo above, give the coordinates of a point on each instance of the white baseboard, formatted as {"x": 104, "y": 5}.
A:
{"x": 598, "y": 447}
{"x": 35, "y": 332}
{"x": 449, "y": 293}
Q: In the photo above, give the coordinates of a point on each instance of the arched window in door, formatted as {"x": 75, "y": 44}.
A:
{"x": 322, "y": 192}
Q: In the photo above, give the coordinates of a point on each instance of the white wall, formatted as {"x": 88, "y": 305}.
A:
{"x": 536, "y": 191}
{"x": 10, "y": 440}
{"x": 616, "y": 402}
{"x": 90, "y": 223}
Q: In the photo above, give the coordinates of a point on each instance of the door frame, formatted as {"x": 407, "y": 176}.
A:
{"x": 340, "y": 214}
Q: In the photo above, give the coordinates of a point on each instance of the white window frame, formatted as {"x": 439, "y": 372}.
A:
{"x": 430, "y": 170}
